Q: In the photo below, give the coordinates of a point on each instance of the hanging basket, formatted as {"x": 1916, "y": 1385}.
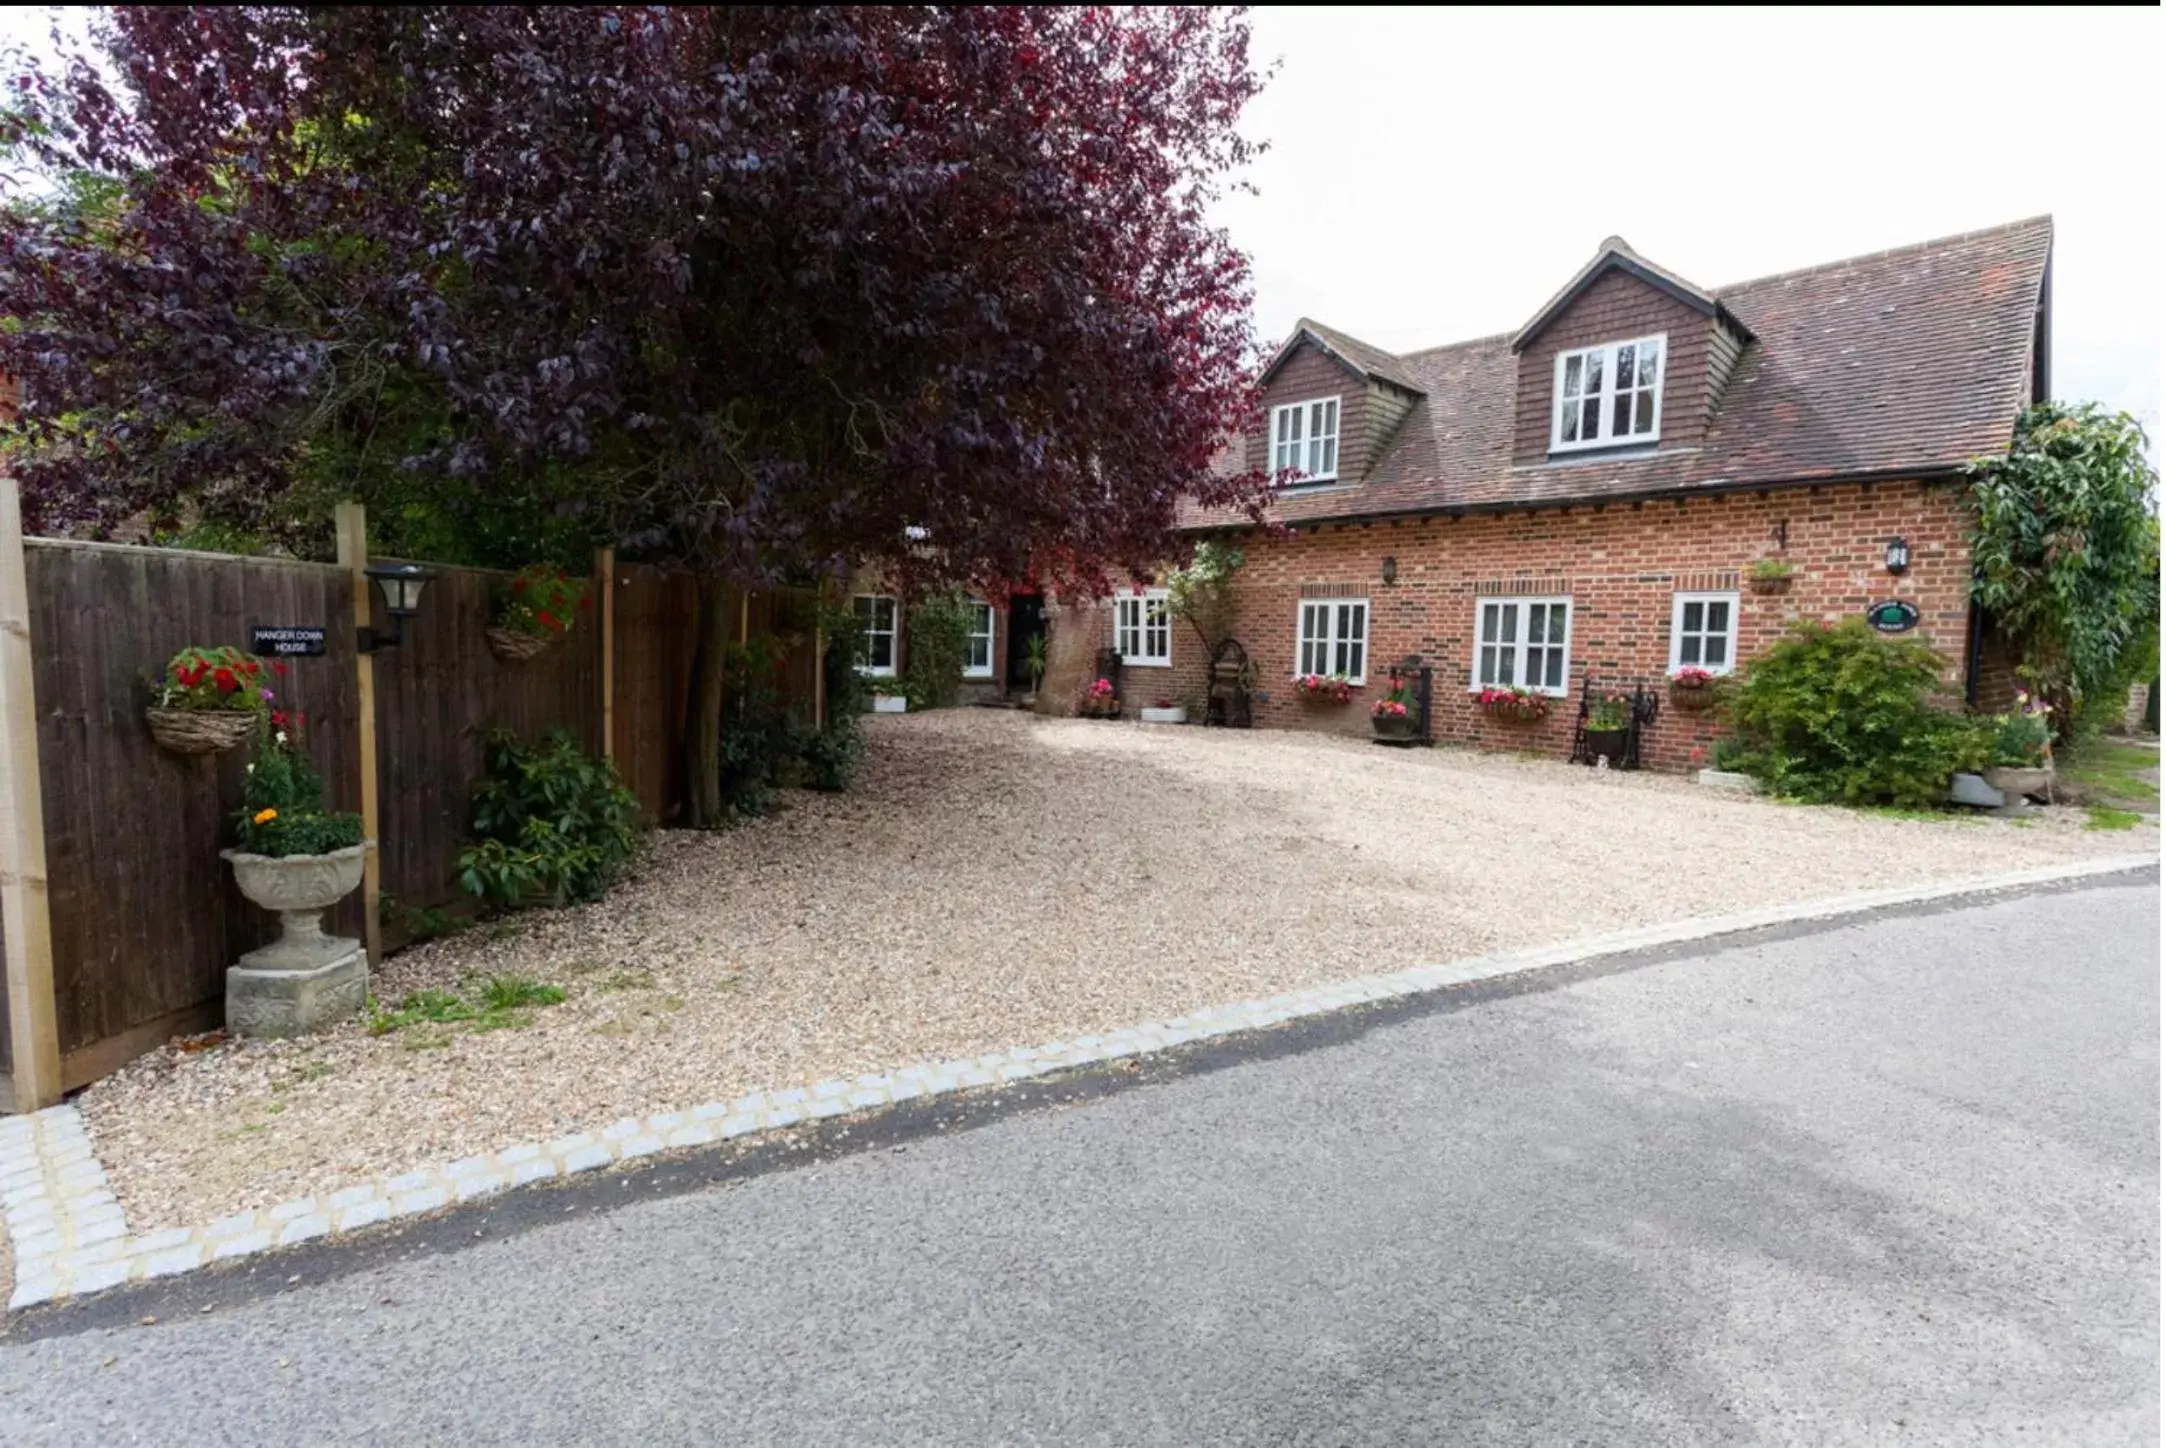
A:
{"x": 1692, "y": 698}
{"x": 1778, "y": 583}
{"x": 514, "y": 647}
{"x": 200, "y": 731}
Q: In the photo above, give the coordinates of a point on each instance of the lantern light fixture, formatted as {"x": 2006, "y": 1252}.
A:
{"x": 401, "y": 585}
{"x": 1391, "y": 569}
{"x": 1898, "y": 556}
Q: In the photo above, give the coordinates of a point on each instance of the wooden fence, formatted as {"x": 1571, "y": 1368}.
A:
{"x": 141, "y": 915}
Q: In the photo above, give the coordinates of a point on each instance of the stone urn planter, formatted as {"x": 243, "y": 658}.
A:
{"x": 1164, "y": 714}
{"x": 305, "y": 979}
{"x": 2016, "y": 781}
{"x": 200, "y": 731}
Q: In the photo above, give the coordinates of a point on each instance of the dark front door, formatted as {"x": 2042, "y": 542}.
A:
{"x": 1026, "y": 621}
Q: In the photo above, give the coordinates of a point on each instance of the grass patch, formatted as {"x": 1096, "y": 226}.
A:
{"x": 2103, "y": 818}
{"x": 2108, "y": 772}
{"x": 1930, "y": 816}
{"x": 633, "y": 979}
{"x": 434, "y": 1017}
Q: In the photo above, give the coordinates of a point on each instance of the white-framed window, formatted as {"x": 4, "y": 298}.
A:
{"x": 1609, "y": 394}
{"x": 1305, "y": 439}
{"x": 1703, "y": 631}
{"x": 876, "y": 616}
{"x": 978, "y": 643}
{"x": 1143, "y": 628}
{"x": 1332, "y": 637}
{"x": 1523, "y": 643}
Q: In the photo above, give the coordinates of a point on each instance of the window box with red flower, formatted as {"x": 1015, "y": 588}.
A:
{"x": 1324, "y": 688}
{"x": 1163, "y": 710}
{"x": 1693, "y": 689}
{"x": 1397, "y": 715}
{"x": 1513, "y": 704}
{"x": 209, "y": 700}
{"x": 535, "y": 611}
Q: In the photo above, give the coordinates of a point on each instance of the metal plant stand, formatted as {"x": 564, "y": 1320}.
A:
{"x": 1412, "y": 670}
{"x": 1226, "y": 704}
{"x": 1642, "y": 710}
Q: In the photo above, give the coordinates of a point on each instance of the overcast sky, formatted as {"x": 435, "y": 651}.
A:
{"x": 1435, "y": 175}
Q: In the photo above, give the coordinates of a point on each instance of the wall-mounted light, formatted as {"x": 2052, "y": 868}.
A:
{"x": 1898, "y": 556}
{"x": 1391, "y": 569}
{"x": 400, "y": 584}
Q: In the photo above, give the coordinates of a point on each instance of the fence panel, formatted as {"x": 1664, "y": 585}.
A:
{"x": 145, "y": 915}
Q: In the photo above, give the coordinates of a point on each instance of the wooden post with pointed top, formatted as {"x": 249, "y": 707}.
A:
{"x": 353, "y": 556}
{"x": 33, "y": 1017}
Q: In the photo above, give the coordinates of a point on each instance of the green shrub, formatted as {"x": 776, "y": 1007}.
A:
{"x": 762, "y": 745}
{"x": 939, "y": 643}
{"x": 282, "y": 809}
{"x": 832, "y": 755}
{"x": 1842, "y": 715}
{"x": 552, "y": 824}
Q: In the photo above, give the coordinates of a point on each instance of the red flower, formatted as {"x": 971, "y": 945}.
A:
{"x": 518, "y": 585}
{"x": 226, "y": 680}
{"x": 548, "y": 619}
{"x": 251, "y": 668}
{"x": 278, "y": 667}
{"x": 278, "y": 718}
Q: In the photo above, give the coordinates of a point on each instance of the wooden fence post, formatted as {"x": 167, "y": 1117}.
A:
{"x": 605, "y": 582}
{"x": 33, "y": 1019}
{"x": 353, "y": 556}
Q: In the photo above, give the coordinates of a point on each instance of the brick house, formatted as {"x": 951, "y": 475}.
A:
{"x": 1581, "y": 498}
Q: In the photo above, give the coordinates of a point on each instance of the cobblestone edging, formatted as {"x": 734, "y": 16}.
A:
{"x": 70, "y": 1237}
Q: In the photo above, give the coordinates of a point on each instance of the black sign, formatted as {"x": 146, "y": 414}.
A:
{"x": 288, "y": 641}
{"x": 1893, "y": 616}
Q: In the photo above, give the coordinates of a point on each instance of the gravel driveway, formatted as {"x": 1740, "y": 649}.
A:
{"x": 997, "y": 880}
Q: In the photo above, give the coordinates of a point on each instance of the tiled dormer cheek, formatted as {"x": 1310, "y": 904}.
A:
{"x": 1315, "y": 417}
{"x": 1609, "y": 394}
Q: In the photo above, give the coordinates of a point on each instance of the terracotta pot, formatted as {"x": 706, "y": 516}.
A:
{"x": 514, "y": 647}
{"x": 200, "y": 731}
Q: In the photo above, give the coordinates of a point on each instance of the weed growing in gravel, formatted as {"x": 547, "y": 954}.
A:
{"x": 2103, "y": 818}
{"x": 500, "y": 1006}
{"x": 632, "y": 979}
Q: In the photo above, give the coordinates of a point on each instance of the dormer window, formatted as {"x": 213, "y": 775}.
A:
{"x": 1608, "y": 395}
{"x": 1305, "y": 439}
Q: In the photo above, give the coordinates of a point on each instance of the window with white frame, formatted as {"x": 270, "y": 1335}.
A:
{"x": 1305, "y": 439}
{"x": 978, "y": 643}
{"x": 1609, "y": 394}
{"x": 1143, "y": 629}
{"x": 876, "y": 616}
{"x": 1523, "y": 643}
{"x": 1333, "y": 638}
{"x": 1703, "y": 632}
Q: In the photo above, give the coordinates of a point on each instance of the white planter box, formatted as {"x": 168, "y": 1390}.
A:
{"x": 1176, "y": 715}
{"x": 890, "y": 704}
{"x": 1725, "y": 781}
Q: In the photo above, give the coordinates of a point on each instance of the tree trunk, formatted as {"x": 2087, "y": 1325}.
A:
{"x": 703, "y": 727}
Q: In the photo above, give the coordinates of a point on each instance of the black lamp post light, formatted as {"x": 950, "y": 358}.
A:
{"x": 1898, "y": 556}
{"x": 401, "y": 585}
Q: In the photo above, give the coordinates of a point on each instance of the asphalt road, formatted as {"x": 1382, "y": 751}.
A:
{"x": 1895, "y": 1181}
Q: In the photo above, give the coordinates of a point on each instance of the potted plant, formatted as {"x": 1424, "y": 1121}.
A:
{"x": 296, "y": 858}
{"x": 1395, "y": 715}
{"x": 1034, "y": 664}
{"x": 1768, "y": 575}
{"x": 1513, "y": 704}
{"x": 210, "y": 700}
{"x": 1098, "y": 701}
{"x": 2022, "y": 749}
{"x": 1324, "y": 688}
{"x": 535, "y": 611}
{"x": 1692, "y": 689}
{"x": 1164, "y": 710}
{"x": 1609, "y": 715}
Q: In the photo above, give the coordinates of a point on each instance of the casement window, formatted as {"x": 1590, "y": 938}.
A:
{"x": 1305, "y": 439}
{"x": 1609, "y": 395}
{"x": 876, "y": 616}
{"x": 1333, "y": 638}
{"x": 1143, "y": 629}
{"x": 1703, "y": 632}
{"x": 1523, "y": 643}
{"x": 978, "y": 643}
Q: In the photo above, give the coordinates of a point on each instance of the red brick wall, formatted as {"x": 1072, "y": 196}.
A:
{"x": 1305, "y": 376}
{"x": 1619, "y": 565}
{"x": 1617, "y": 308}
{"x": 1078, "y": 630}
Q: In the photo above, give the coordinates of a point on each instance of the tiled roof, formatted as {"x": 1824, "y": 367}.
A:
{"x": 1912, "y": 359}
{"x": 1363, "y": 358}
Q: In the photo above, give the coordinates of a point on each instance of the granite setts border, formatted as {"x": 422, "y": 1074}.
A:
{"x": 71, "y": 1238}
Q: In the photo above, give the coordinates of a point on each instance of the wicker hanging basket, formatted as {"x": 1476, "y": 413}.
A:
{"x": 200, "y": 731}
{"x": 514, "y": 647}
{"x": 1692, "y": 698}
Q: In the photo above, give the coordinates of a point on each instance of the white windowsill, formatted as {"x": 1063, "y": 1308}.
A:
{"x": 1547, "y": 693}
{"x": 1128, "y": 663}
